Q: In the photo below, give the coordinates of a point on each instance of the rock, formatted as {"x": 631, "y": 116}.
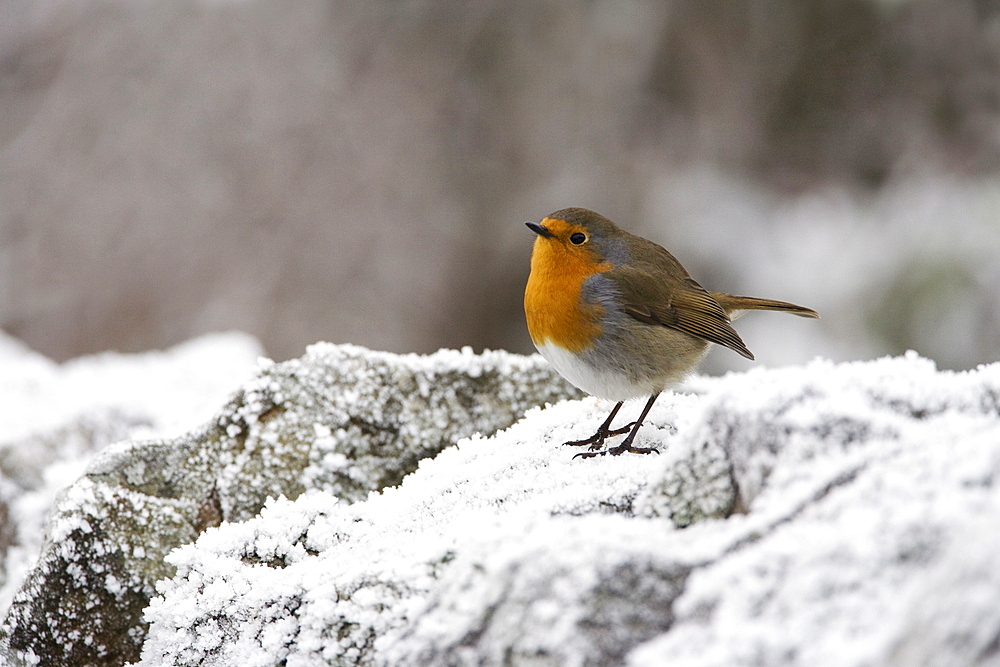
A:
{"x": 55, "y": 417}
{"x": 803, "y": 516}
{"x": 342, "y": 420}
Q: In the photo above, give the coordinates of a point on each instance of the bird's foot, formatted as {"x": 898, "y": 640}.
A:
{"x": 618, "y": 451}
{"x": 622, "y": 448}
{"x": 626, "y": 446}
{"x": 596, "y": 441}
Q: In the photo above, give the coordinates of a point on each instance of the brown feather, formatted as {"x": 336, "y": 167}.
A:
{"x": 732, "y": 303}
{"x": 685, "y": 306}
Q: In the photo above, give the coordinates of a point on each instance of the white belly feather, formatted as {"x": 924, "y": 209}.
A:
{"x": 597, "y": 382}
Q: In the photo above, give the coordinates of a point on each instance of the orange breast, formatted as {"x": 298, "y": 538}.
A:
{"x": 552, "y": 304}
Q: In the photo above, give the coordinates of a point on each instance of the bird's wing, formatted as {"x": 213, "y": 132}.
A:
{"x": 687, "y": 307}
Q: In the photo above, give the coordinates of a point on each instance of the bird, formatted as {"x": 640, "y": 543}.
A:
{"x": 620, "y": 318}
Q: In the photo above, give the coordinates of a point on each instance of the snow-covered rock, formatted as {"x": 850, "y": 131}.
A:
{"x": 820, "y": 515}
{"x": 341, "y": 420}
{"x": 55, "y": 417}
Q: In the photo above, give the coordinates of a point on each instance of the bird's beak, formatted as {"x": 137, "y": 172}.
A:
{"x": 541, "y": 230}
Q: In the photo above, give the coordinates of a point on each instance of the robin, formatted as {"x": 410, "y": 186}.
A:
{"x": 619, "y": 317}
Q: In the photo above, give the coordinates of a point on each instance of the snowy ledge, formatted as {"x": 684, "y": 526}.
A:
{"x": 821, "y": 515}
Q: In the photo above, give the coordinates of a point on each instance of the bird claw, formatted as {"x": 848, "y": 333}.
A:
{"x": 618, "y": 451}
{"x": 621, "y": 449}
{"x": 596, "y": 441}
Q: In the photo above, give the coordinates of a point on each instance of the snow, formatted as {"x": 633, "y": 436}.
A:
{"x": 378, "y": 413}
{"x": 171, "y": 391}
{"x": 851, "y": 484}
{"x": 56, "y": 416}
{"x": 825, "y": 514}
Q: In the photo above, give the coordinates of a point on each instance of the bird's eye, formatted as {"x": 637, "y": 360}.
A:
{"x": 577, "y": 238}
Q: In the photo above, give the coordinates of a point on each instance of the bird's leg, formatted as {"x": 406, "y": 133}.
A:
{"x": 626, "y": 445}
{"x": 604, "y": 431}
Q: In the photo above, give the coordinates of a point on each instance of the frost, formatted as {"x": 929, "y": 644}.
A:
{"x": 56, "y": 416}
{"x": 342, "y": 419}
{"x": 362, "y": 514}
{"x": 822, "y": 515}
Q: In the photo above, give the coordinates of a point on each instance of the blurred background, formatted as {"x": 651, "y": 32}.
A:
{"x": 361, "y": 171}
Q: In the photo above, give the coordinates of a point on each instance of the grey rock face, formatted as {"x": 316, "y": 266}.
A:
{"x": 341, "y": 419}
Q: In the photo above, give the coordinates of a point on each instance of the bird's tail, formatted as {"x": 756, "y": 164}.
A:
{"x": 737, "y": 305}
